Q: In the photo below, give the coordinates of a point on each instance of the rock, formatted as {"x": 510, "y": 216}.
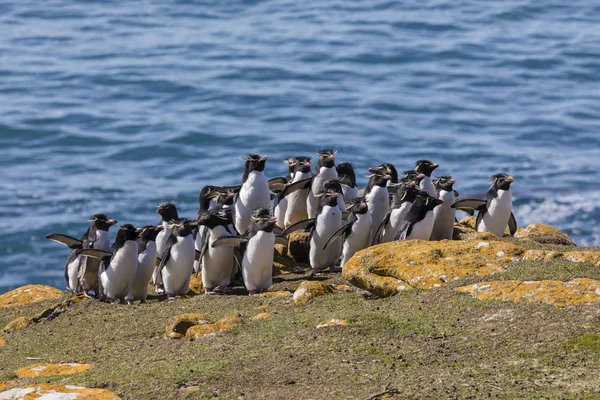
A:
{"x": 263, "y": 315}
{"x": 342, "y": 288}
{"x": 199, "y": 331}
{"x": 468, "y": 222}
{"x": 586, "y": 256}
{"x": 196, "y": 284}
{"x": 396, "y": 266}
{"x": 51, "y": 369}
{"x": 331, "y": 323}
{"x": 464, "y": 230}
{"x": 229, "y": 322}
{"x": 178, "y": 325}
{"x": 29, "y": 294}
{"x": 558, "y": 293}
{"x": 309, "y": 289}
{"x": 275, "y": 295}
{"x": 544, "y": 234}
{"x": 541, "y": 255}
{"x": 17, "y": 323}
{"x": 6, "y": 385}
{"x": 299, "y": 246}
{"x": 2, "y": 341}
{"x": 57, "y": 392}
{"x": 282, "y": 264}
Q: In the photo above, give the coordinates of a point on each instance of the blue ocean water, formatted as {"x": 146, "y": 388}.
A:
{"x": 113, "y": 106}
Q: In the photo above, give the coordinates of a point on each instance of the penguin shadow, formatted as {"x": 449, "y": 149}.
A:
{"x": 306, "y": 277}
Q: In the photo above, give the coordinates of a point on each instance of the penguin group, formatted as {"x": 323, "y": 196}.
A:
{"x": 233, "y": 236}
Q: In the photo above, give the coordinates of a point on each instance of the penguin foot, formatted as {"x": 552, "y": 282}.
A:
{"x": 89, "y": 296}
{"x": 253, "y": 292}
{"x": 210, "y": 291}
{"x": 129, "y": 302}
{"x": 222, "y": 290}
{"x": 143, "y": 301}
{"x": 335, "y": 269}
{"x": 159, "y": 289}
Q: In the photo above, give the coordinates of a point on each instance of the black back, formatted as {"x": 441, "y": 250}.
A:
{"x": 347, "y": 169}
{"x": 405, "y": 193}
{"x": 148, "y": 234}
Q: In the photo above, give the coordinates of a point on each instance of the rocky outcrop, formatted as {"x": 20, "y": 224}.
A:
{"x": 178, "y": 325}
{"x": 544, "y": 234}
{"x": 57, "y": 392}
{"x": 584, "y": 256}
{"x": 29, "y": 294}
{"x": 47, "y": 315}
{"x": 391, "y": 267}
{"x": 224, "y": 324}
{"x": 558, "y": 293}
{"x": 307, "y": 290}
{"x": 299, "y": 246}
{"x": 51, "y": 369}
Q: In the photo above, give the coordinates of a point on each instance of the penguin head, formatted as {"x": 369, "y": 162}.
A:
{"x": 329, "y": 198}
{"x": 213, "y": 218}
{"x": 149, "y": 232}
{"x": 129, "y": 232}
{"x": 378, "y": 177}
{"x": 389, "y": 169}
{"x": 101, "y": 222}
{"x": 298, "y": 164}
{"x": 333, "y": 185}
{"x": 326, "y": 159}
{"x": 425, "y": 167}
{"x": 502, "y": 181}
{"x": 358, "y": 206}
{"x": 168, "y": 211}
{"x": 412, "y": 176}
{"x": 444, "y": 183}
{"x": 224, "y": 197}
{"x": 406, "y": 192}
{"x": 182, "y": 227}
{"x": 429, "y": 202}
{"x": 254, "y": 162}
{"x": 262, "y": 220}
{"x": 346, "y": 169}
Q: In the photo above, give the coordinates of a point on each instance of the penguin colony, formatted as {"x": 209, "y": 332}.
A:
{"x": 234, "y": 234}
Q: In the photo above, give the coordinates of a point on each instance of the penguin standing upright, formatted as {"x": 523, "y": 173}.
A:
{"x": 377, "y": 197}
{"x": 418, "y": 223}
{"x": 495, "y": 212}
{"x": 177, "y": 262}
{"x": 290, "y": 203}
{"x": 355, "y": 234}
{"x": 347, "y": 177}
{"x": 117, "y": 269}
{"x": 426, "y": 168}
{"x": 145, "y": 266}
{"x": 254, "y": 192}
{"x": 167, "y": 212}
{"x": 444, "y": 215}
{"x": 389, "y": 169}
{"x": 257, "y": 247}
{"x": 401, "y": 203}
{"x": 81, "y": 273}
{"x": 217, "y": 262}
{"x": 324, "y": 170}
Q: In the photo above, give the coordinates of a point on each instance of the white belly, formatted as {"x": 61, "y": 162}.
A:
{"x": 427, "y": 185}
{"x": 496, "y": 218}
{"x": 161, "y": 244}
{"x": 217, "y": 262}
{"x": 176, "y": 272}
{"x": 397, "y": 216}
{"x": 329, "y": 221}
{"x": 257, "y": 265}
{"x": 118, "y": 277}
{"x": 312, "y": 202}
{"x": 422, "y": 229}
{"x": 359, "y": 239}
{"x": 378, "y": 201}
{"x": 280, "y": 211}
{"x": 350, "y": 193}
{"x": 73, "y": 274}
{"x": 443, "y": 215}
{"x": 143, "y": 273}
{"x": 254, "y": 193}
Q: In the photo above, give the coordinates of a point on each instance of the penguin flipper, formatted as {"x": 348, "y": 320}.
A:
{"x": 282, "y": 240}
{"x": 275, "y": 183}
{"x": 292, "y": 187}
{"x": 95, "y": 253}
{"x": 379, "y": 231}
{"x": 345, "y": 180}
{"x": 403, "y": 230}
{"x": 229, "y": 241}
{"x": 512, "y": 224}
{"x": 67, "y": 240}
{"x": 455, "y": 193}
{"x": 345, "y": 216}
{"x": 277, "y": 230}
{"x": 469, "y": 205}
{"x": 304, "y": 224}
{"x": 344, "y": 230}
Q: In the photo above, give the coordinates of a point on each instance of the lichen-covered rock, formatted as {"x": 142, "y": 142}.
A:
{"x": 558, "y": 293}
{"x": 309, "y": 289}
{"x": 196, "y": 284}
{"x": 263, "y": 315}
{"x": 178, "y": 325}
{"x": 199, "y": 331}
{"x": 541, "y": 255}
{"x": 29, "y": 294}
{"x": 392, "y": 267}
{"x": 282, "y": 264}
{"x": 342, "y": 288}
{"x": 231, "y": 321}
{"x": 332, "y": 322}
{"x": 51, "y": 369}
{"x": 17, "y": 323}
{"x": 6, "y": 385}
{"x": 468, "y": 221}
{"x": 584, "y": 256}
{"x": 275, "y": 295}
{"x": 57, "y": 392}
{"x": 544, "y": 234}
{"x": 2, "y": 341}
{"x": 298, "y": 246}
{"x": 466, "y": 232}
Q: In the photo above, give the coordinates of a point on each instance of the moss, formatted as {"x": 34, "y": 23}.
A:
{"x": 51, "y": 369}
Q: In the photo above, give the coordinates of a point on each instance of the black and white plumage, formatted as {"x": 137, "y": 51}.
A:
{"x": 257, "y": 247}
{"x": 399, "y": 208}
{"x": 389, "y": 169}
{"x": 147, "y": 254}
{"x": 324, "y": 170}
{"x": 377, "y": 196}
{"x": 347, "y": 177}
{"x": 118, "y": 267}
{"x": 418, "y": 223}
{"x": 444, "y": 215}
{"x": 168, "y": 212}
{"x": 495, "y": 212}
{"x": 355, "y": 233}
{"x": 254, "y": 192}
{"x": 177, "y": 263}
{"x": 426, "y": 168}
{"x": 290, "y": 205}
{"x": 81, "y": 273}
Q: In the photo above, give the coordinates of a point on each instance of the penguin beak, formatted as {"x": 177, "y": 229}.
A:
{"x": 373, "y": 170}
{"x": 387, "y": 177}
{"x": 111, "y": 222}
{"x": 331, "y": 157}
{"x": 434, "y": 166}
{"x": 139, "y": 230}
{"x": 230, "y": 195}
{"x": 335, "y": 195}
{"x": 307, "y": 164}
{"x": 273, "y": 219}
{"x": 452, "y": 181}
{"x": 159, "y": 210}
{"x": 363, "y": 206}
{"x": 159, "y": 228}
{"x": 263, "y": 158}
{"x": 510, "y": 179}
{"x": 420, "y": 176}
{"x": 411, "y": 184}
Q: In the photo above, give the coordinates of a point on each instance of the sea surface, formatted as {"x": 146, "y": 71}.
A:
{"x": 114, "y": 106}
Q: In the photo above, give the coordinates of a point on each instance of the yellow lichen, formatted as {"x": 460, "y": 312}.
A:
{"x": 29, "y": 294}
{"x": 558, "y": 293}
{"x": 2, "y": 341}
{"x": 178, "y": 325}
{"x": 229, "y": 322}
{"x": 544, "y": 234}
{"x": 275, "y": 295}
{"x": 46, "y": 390}
{"x": 392, "y": 267}
{"x": 198, "y": 331}
{"x": 342, "y": 288}
{"x": 331, "y": 323}
{"x": 6, "y": 385}
{"x": 196, "y": 284}
{"x": 309, "y": 289}
{"x": 51, "y": 369}
{"x": 261, "y": 316}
